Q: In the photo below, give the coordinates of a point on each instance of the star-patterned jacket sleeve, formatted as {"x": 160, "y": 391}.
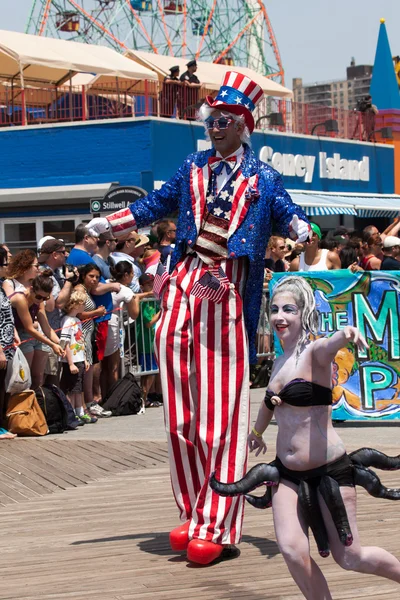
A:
{"x": 154, "y": 206}
{"x": 283, "y": 208}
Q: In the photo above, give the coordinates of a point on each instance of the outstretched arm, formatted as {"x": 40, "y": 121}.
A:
{"x": 154, "y": 206}
{"x": 325, "y": 349}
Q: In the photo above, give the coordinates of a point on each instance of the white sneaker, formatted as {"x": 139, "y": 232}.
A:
{"x": 98, "y": 411}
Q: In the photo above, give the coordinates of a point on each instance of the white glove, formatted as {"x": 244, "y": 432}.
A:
{"x": 98, "y": 225}
{"x": 301, "y": 229}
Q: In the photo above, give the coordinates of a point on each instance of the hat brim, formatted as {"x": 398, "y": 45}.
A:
{"x": 142, "y": 240}
{"x": 235, "y": 109}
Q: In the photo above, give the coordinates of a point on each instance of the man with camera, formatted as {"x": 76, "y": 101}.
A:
{"x": 368, "y": 112}
{"x": 52, "y": 256}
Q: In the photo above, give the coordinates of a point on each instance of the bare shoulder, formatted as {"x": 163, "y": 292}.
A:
{"x": 334, "y": 259}
{"x": 18, "y": 299}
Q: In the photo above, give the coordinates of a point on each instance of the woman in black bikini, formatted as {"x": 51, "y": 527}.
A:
{"x": 316, "y": 476}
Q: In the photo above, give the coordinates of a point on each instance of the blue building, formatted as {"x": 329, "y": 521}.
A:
{"x": 49, "y": 173}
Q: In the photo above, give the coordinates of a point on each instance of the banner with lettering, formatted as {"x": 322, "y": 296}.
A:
{"x": 366, "y": 383}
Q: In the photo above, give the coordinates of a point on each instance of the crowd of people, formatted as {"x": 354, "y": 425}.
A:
{"x": 339, "y": 248}
{"x": 61, "y": 307}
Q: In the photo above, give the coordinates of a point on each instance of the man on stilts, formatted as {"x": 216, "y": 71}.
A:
{"x": 210, "y": 304}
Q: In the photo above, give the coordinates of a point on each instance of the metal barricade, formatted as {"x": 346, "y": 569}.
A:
{"x": 136, "y": 338}
{"x": 137, "y": 342}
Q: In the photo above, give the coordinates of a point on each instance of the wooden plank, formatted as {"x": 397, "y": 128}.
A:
{"x": 107, "y": 451}
{"x": 25, "y": 465}
{"x": 108, "y": 539}
{"x": 7, "y": 471}
{"x": 43, "y": 465}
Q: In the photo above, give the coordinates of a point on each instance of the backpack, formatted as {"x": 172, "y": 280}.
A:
{"x": 24, "y": 415}
{"x": 53, "y": 408}
{"x": 124, "y": 397}
{"x": 71, "y": 417}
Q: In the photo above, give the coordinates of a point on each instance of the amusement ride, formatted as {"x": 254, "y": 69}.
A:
{"x": 230, "y": 32}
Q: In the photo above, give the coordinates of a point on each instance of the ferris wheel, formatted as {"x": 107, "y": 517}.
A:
{"x": 232, "y": 32}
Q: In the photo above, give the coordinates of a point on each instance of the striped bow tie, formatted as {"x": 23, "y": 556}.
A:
{"x": 217, "y": 164}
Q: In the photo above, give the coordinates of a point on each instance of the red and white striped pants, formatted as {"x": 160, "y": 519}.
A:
{"x": 202, "y": 352}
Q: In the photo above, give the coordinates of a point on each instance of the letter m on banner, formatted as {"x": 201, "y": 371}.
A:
{"x": 366, "y": 384}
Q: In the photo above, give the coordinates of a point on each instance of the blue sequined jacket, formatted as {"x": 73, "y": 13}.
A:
{"x": 251, "y": 237}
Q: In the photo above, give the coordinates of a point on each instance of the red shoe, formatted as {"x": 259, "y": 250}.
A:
{"x": 179, "y": 537}
{"x": 203, "y": 552}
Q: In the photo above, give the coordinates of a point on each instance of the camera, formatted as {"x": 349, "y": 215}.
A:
{"x": 364, "y": 104}
{"x": 70, "y": 273}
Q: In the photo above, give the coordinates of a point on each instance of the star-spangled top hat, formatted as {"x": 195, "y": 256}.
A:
{"x": 238, "y": 95}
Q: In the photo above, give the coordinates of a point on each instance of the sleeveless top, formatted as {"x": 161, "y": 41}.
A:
{"x": 300, "y": 392}
{"x": 320, "y": 266}
{"x": 88, "y": 327}
{"x": 365, "y": 262}
{"x": 33, "y": 311}
{"x": 6, "y": 326}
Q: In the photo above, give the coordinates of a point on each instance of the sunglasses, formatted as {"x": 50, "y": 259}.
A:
{"x": 39, "y": 297}
{"x": 61, "y": 251}
{"x": 281, "y": 247}
{"x": 221, "y": 123}
{"x": 36, "y": 265}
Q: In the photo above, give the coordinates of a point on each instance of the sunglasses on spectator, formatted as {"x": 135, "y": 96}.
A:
{"x": 221, "y": 123}
{"x": 39, "y": 297}
{"x": 36, "y": 265}
{"x": 281, "y": 247}
{"x": 61, "y": 251}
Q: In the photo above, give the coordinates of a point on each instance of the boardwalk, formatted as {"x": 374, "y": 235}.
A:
{"x": 90, "y": 520}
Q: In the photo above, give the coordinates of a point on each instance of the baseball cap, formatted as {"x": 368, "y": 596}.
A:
{"x": 316, "y": 229}
{"x": 43, "y": 240}
{"x": 390, "y": 241}
{"x": 52, "y": 246}
{"x": 341, "y": 239}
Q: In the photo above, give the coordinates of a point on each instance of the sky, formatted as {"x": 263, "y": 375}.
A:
{"x": 316, "y": 39}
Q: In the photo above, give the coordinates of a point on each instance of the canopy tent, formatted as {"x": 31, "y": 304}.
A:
{"x": 209, "y": 74}
{"x": 43, "y": 59}
{"x": 103, "y": 84}
{"x": 360, "y": 205}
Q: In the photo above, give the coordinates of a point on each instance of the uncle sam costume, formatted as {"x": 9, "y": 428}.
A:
{"x": 210, "y": 305}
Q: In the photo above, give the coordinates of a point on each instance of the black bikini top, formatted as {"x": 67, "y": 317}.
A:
{"x": 300, "y": 392}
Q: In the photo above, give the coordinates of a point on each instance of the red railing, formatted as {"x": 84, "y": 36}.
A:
{"x": 38, "y": 105}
